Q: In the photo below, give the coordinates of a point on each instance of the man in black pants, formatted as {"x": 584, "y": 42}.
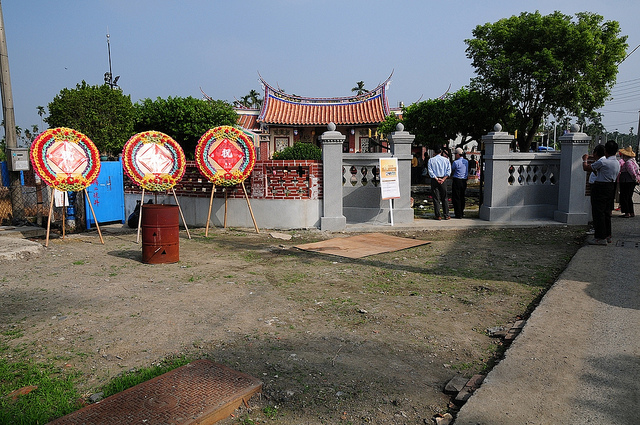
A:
{"x": 459, "y": 174}
{"x": 603, "y": 192}
{"x": 439, "y": 169}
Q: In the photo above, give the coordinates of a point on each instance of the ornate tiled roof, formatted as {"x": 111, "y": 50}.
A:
{"x": 248, "y": 119}
{"x": 286, "y": 109}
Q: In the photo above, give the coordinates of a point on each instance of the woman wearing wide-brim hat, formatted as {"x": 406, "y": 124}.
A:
{"x": 627, "y": 179}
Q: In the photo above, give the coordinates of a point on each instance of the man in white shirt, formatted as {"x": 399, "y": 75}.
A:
{"x": 439, "y": 170}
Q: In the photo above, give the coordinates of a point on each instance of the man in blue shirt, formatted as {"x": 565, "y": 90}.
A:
{"x": 439, "y": 169}
{"x": 459, "y": 174}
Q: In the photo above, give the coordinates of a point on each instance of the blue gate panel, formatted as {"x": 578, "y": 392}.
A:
{"x": 106, "y": 195}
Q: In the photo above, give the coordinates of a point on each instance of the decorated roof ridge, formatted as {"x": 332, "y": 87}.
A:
{"x": 285, "y": 109}
{"x": 380, "y": 89}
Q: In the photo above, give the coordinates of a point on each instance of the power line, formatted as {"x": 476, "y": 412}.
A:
{"x": 625, "y": 58}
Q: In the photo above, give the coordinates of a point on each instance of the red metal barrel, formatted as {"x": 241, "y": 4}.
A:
{"x": 160, "y": 234}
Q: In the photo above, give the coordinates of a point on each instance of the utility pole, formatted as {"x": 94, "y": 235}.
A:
{"x": 11, "y": 140}
{"x": 108, "y": 76}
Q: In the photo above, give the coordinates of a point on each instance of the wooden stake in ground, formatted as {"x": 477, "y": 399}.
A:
{"x": 64, "y": 212}
{"x": 95, "y": 219}
{"x": 140, "y": 216}
{"x": 53, "y": 192}
{"x": 181, "y": 215}
{"x": 213, "y": 191}
{"x": 225, "y": 207}
{"x": 250, "y": 209}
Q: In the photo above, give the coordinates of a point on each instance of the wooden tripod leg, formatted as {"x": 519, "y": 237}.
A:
{"x": 250, "y": 209}
{"x": 181, "y": 215}
{"x": 95, "y": 219}
{"x": 213, "y": 191}
{"x": 140, "y": 216}
{"x": 53, "y": 191}
{"x": 225, "y": 208}
{"x": 64, "y": 211}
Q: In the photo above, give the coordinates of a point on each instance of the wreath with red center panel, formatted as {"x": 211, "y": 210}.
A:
{"x": 225, "y": 155}
{"x": 153, "y": 160}
{"x": 65, "y": 159}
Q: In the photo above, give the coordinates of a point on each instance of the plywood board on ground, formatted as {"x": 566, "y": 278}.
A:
{"x": 362, "y": 245}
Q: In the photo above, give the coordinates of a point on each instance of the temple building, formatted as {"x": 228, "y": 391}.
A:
{"x": 285, "y": 119}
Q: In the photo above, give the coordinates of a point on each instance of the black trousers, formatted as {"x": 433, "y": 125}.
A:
{"x": 602, "y": 198}
{"x": 626, "y": 197}
{"x": 439, "y": 193}
{"x": 458, "y": 189}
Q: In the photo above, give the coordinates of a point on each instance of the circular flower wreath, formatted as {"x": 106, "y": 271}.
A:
{"x": 43, "y": 163}
{"x": 220, "y": 176}
{"x": 154, "y": 181}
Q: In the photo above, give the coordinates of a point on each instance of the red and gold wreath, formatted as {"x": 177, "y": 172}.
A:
{"x": 65, "y": 159}
{"x": 153, "y": 160}
{"x": 225, "y": 155}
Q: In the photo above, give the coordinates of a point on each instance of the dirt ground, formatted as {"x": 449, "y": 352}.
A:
{"x": 334, "y": 340}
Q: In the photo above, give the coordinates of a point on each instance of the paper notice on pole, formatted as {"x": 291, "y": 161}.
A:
{"x": 60, "y": 198}
{"x": 389, "y": 182}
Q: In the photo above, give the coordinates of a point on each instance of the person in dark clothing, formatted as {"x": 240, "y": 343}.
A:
{"x": 603, "y": 192}
{"x": 459, "y": 175}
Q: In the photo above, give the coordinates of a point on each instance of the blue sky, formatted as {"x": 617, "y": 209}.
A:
{"x": 318, "y": 48}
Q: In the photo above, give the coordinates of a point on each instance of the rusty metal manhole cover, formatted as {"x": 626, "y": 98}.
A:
{"x": 201, "y": 392}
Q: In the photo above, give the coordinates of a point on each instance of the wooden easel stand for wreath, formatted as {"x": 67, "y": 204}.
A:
{"x": 65, "y": 160}
{"x": 179, "y": 209}
{"x": 213, "y": 191}
{"x": 64, "y": 216}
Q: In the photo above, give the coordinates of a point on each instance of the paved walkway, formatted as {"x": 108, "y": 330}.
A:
{"x": 577, "y": 360}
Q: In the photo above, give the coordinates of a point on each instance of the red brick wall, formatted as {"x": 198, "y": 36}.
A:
{"x": 268, "y": 180}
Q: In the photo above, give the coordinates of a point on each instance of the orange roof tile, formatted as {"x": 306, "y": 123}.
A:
{"x": 249, "y": 120}
{"x": 284, "y": 109}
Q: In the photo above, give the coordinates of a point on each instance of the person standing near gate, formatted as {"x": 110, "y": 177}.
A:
{"x": 439, "y": 170}
{"x": 603, "y": 192}
{"x": 459, "y": 174}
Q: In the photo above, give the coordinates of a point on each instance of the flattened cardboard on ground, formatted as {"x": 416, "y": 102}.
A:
{"x": 361, "y": 245}
{"x": 202, "y": 392}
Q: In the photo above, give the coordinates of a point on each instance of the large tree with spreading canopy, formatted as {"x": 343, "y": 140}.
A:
{"x": 104, "y": 114}
{"x": 546, "y": 65}
{"x": 185, "y": 119}
{"x": 466, "y": 113}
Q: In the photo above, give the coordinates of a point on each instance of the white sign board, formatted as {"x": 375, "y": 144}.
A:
{"x": 389, "y": 181}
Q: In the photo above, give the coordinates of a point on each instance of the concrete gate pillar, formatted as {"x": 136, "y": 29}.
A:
{"x": 401, "y": 142}
{"x": 573, "y": 205}
{"x": 332, "y": 217}
{"x": 496, "y": 161}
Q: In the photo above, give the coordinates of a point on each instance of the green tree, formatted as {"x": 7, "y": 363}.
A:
{"x": 104, "y": 114}
{"x": 543, "y": 65}
{"x": 251, "y": 100}
{"x": 185, "y": 119}
{"x": 41, "y": 112}
{"x": 467, "y": 113}
{"x": 473, "y": 114}
{"x": 389, "y": 124}
{"x": 254, "y": 98}
{"x": 359, "y": 88}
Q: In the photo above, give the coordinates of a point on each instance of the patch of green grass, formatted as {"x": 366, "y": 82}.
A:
{"x": 462, "y": 366}
{"x": 271, "y": 412}
{"x": 131, "y": 379}
{"x": 13, "y": 333}
{"x": 55, "y": 395}
{"x": 246, "y": 420}
{"x": 78, "y": 263}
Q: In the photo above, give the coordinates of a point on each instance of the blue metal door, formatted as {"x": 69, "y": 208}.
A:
{"x": 106, "y": 195}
